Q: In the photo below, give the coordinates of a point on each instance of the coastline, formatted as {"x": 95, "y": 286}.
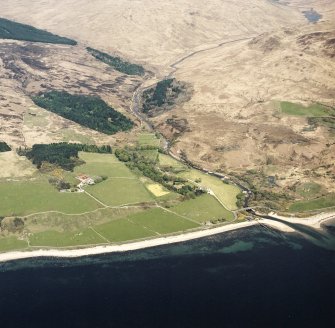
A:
{"x": 314, "y": 222}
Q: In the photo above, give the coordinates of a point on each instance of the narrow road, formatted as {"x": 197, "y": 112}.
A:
{"x": 174, "y": 65}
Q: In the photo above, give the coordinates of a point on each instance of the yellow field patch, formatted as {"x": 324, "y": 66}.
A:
{"x": 157, "y": 190}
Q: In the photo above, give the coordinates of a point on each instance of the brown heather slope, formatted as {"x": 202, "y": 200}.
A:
{"x": 234, "y": 121}
{"x": 152, "y": 32}
{"x": 27, "y": 68}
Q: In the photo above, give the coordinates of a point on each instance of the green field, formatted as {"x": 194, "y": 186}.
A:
{"x": 68, "y": 135}
{"x": 102, "y": 165}
{"x": 123, "y": 230}
{"x": 11, "y": 244}
{"x": 226, "y": 193}
{"x": 168, "y": 161}
{"x": 313, "y": 110}
{"x": 204, "y": 208}
{"x": 118, "y": 191}
{"x": 94, "y": 225}
{"x": 151, "y": 154}
{"x": 161, "y": 221}
{"x": 17, "y": 31}
{"x": 148, "y": 139}
{"x": 315, "y": 204}
{"x": 309, "y": 190}
{"x": 65, "y": 239}
{"x": 26, "y": 197}
{"x": 75, "y": 223}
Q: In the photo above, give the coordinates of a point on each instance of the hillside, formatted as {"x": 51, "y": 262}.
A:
{"x": 244, "y": 62}
{"x": 27, "y": 69}
{"x": 153, "y": 32}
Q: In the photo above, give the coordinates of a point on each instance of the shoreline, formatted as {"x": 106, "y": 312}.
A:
{"x": 314, "y": 222}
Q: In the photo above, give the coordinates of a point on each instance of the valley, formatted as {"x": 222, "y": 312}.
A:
{"x": 240, "y": 111}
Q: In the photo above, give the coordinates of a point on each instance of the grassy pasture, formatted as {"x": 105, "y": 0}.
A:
{"x": 26, "y": 197}
{"x": 118, "y": 191}
{"x": 148, "y": 139}
{"x": 68, "y": 135}
{"x": 72, "y": 223}
{"x": 168, "y": 161}
{"x": 65, "y": 239}
{"x": 202, "y": 209}
{"x": 162, "y": 221}
{"x": 315, "y": 204}
{"x": 309, "y": 190}
{"x": 123, "y": 230}
{"x": 151, "y": 154}
{"x": 11, "y": 244}
{"x": 314, "y": 110}
{"x": 103, "y": 164}
{"x": 225, "y": 192}
{"x": 36, "y": 117}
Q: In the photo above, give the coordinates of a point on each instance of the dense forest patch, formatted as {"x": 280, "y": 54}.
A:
{"x": 117, "y": 63}
{"x": 17, "y": 31}
{"x": 4, "y": 147}
{"x": 163, "y": 96}
{"x": 62, "y": 154}
{"x": 88, "y": 111}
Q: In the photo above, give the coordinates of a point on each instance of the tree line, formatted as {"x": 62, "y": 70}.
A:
{"x": 117, "y": 63}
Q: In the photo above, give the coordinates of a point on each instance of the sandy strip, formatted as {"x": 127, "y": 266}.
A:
{"x": 314, "y": 222}
{"x": 124, "y": 247}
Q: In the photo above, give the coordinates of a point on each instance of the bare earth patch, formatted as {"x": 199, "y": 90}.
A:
{"x": 14, "y": 166}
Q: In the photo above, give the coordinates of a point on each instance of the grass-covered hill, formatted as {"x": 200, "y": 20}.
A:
{"x": 16, "y": 31}
{"x": 89, "y": 111}
{"x": 117, "y": 63}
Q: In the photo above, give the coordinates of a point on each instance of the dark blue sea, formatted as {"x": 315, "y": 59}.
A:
{"x": 249, "y": 278}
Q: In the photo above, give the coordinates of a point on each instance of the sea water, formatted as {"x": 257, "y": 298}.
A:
{"x": 248, "y": 278}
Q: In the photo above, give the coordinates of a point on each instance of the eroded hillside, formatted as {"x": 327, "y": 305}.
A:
{"x": 29, "y": 68}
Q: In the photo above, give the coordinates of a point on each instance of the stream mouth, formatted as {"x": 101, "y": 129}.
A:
{"x": 323, "y": 237}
